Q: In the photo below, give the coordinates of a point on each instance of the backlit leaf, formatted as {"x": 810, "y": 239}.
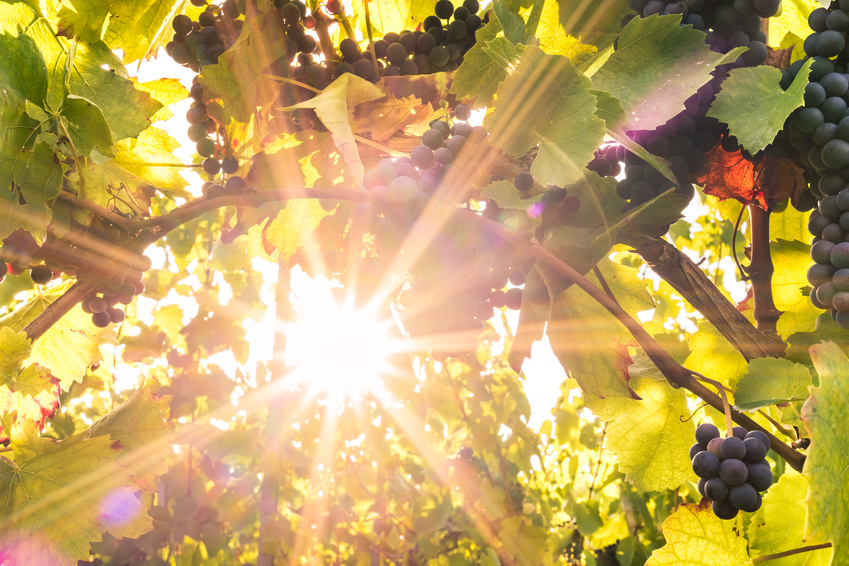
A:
{"x": 694, "y": 534}
{"x": 770, "y": 381}
{"x": 545, "y": 101}
{"x": 789, "y": 282}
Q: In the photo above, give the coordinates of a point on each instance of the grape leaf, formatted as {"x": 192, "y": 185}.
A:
{"x": 22, "y": 68}
{"x": 480, "y": 74}
{"x": 523, "y": 540}
{"x": 396, "y": 15}
{"x": 714, "y": 357}
{"x": 60, "y": 496}
{"x": 544, "y": 23}
{"x": 331, "y": 106}
{"x": 86, "y": 126}
{"x": 533, "y": 315}
{"x": 695, "y": 535}
{"x": 292, "y": 229}
{"x": 388, "y": 115}
{"x": 505, "y": 195}
{"x": 69, "y": 346}
{"x": 645, "y": 219}
{"x": 139, "y": 426}
{"x": 792, "y": 260}
{"x": 650, "y": 436}
{"x": 14, "y": 378}
{"x": 793, "y": 17}
{"x": 590, "y": 344}
{"x": 135, "y": 26}
{"x": 825, "y": 467}
{"x": 546, "y": 101}
{"x": 512, "y": 25}
{"x": 38, "y": 177}
{"x": 770, "y": 381}
{"x": 790, "y": 224}
{"x": 762, "y": 182}
{"x": 780, "y": 523}
{"x": 610, "y": 110}
{"x": 131, "y": 170}
{"x": 657, "y": 65}
{"x": 755, "y": 106}
{"x": 164, "y": 91}
{"x": 430, "y": 89}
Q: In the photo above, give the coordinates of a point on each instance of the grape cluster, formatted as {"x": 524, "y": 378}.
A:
{"x": 686, "y": 138}
{"x": 732, "y": 471}
{"x": 202, "y": 42}
{"x": 819, "y": 132}
{"x": 121, "y": 288}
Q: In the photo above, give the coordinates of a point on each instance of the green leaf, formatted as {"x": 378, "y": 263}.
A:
{"x": 714, "y": 357}
{"x": 505, "y": 195}
{"x": 789, "y": 282}
{"x": 14, "y": 349}
{"x": 610, "y": 110}
{"x": 779, "y": 525}
{"x": 331, "y": 106}
{"x": 512, "y": 24}
{"x": 69, "y": 346}
{"x": 60, "y": 496}
{"x": 544, "y": 22}
{"x": 16, "y": 383}
{"x": 22, "y": 68}
{"x": 38, "y": 178}
{"x": 828, "y": 457}
{"x": 653, "y": 435}
{"x": 546, "y": 101}
{"x": 659, "y": 163}
{"x": 658, "y": 65}
{"x": 86, "y": 126}
{"x": 790, "y": 224}
{"x": 164, "y": 91}
{"x": 644, "y": 220}
{"x": 480, "y": 74}
{"x": 770, "y": 381}
{"x": 396, "y": 15}
{"x": 590, "y": 344}
{"x": 755, "y": 106}
{"x": 694, "y": 534}
{"x": 524, "y": 541}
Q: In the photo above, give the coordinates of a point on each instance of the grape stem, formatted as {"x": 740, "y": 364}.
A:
{"x": 726, "y": 406}
{"x": 678, "y": 376}
{"x": 799, "y": 550}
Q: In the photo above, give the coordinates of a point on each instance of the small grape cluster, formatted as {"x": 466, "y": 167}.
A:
{"x": 121, "y": 288}
{"x": 200, "y": 43}
{"x": 732, "y": 471}
{"x": 20, "y": 253}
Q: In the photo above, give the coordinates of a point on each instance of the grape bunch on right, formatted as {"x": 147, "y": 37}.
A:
{"x": 732, "y": 471}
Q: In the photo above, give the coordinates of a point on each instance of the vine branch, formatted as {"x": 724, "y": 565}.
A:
{"x": 675, "y": 373}
{"x": 799, "y": 550}
{"x": 760, "y": 272}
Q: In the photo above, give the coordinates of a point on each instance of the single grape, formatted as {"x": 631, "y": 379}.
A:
{"x": 101, "y": 319}
{"x": 706, "y": 432}
{"x": 713, "y": 446}
{"x": 733, "y": 471}
{"x": 759, "y": 476}
{"x": 706, "y": 465}
{"x": 755, "y": 450}
{"x": 422, "y": 157}
{"x": 433, "y": 139}
{"x": 462, "y": 112}
{"x": 739, "y": 432}
{"x": 743, "y": 496}
{"x": 716, "y": 489}
{"x": 524, "y": 182}
{"x": 732, "y": 448}
{"x": 724, "y": 510}
{"x": 41, "y": 274}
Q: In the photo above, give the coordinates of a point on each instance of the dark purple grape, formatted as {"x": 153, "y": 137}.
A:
{"x": 732, "y": 448}
{"x": 755, "y": 450}
{"x": 743, "y": 496}
{"x": 759, "y": 476}
{"x": 101, "y": 319}
{"x": 733, "y": 472}
{"x": 706, "y": 465}
{"x": 701, "y": 486}
{"x": 760, "y": 436}
{"x": 724, "y": 510}
{"x": 739, "y": 432}
{"x": 694, "y": 449}
{"x": 716, "y": 489}
{"x": 524, "y": 182}
{"x": 713, "y": 446}
{"x": 705, "y": 433}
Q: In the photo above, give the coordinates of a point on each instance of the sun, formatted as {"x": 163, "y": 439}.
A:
{"x": 340, "y": 350}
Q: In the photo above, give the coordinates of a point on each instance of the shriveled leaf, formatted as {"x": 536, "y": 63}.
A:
{"x": 657, "y": 65}
{"x": 790, "y": 286}
{"x": 331, "y": 106}
{"x": 652, "y": 436}
{"x": 60, "y": 496}
{"x": 779, "y": 525}
{"x": 730, "y": 175}
{"x": 430, "y": 89}
{"x": 828, "y": 457}
{"x": 385, "y": 116}
{"x": 755, "y": 106}
{"x": 545, "y": 101}
{"x": 770, "y": 381}
{"x": 694, "y": 534}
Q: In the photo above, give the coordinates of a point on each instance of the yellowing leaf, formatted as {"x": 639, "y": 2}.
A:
{"x": 331, "y": 106}
{"x": 828, "y": 460}
{"x": 712, "y": 356}
{"x": 164, "y": 91}
{"x": 292, "y": 229}
{"x": 696, "y": 537}
{"x": 792, "y": 260}
{"x": 60, "y": 496}
{"x": 779, "y": 524}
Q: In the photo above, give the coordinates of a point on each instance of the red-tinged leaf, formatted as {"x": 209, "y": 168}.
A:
{"x": 762, "y": 182}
